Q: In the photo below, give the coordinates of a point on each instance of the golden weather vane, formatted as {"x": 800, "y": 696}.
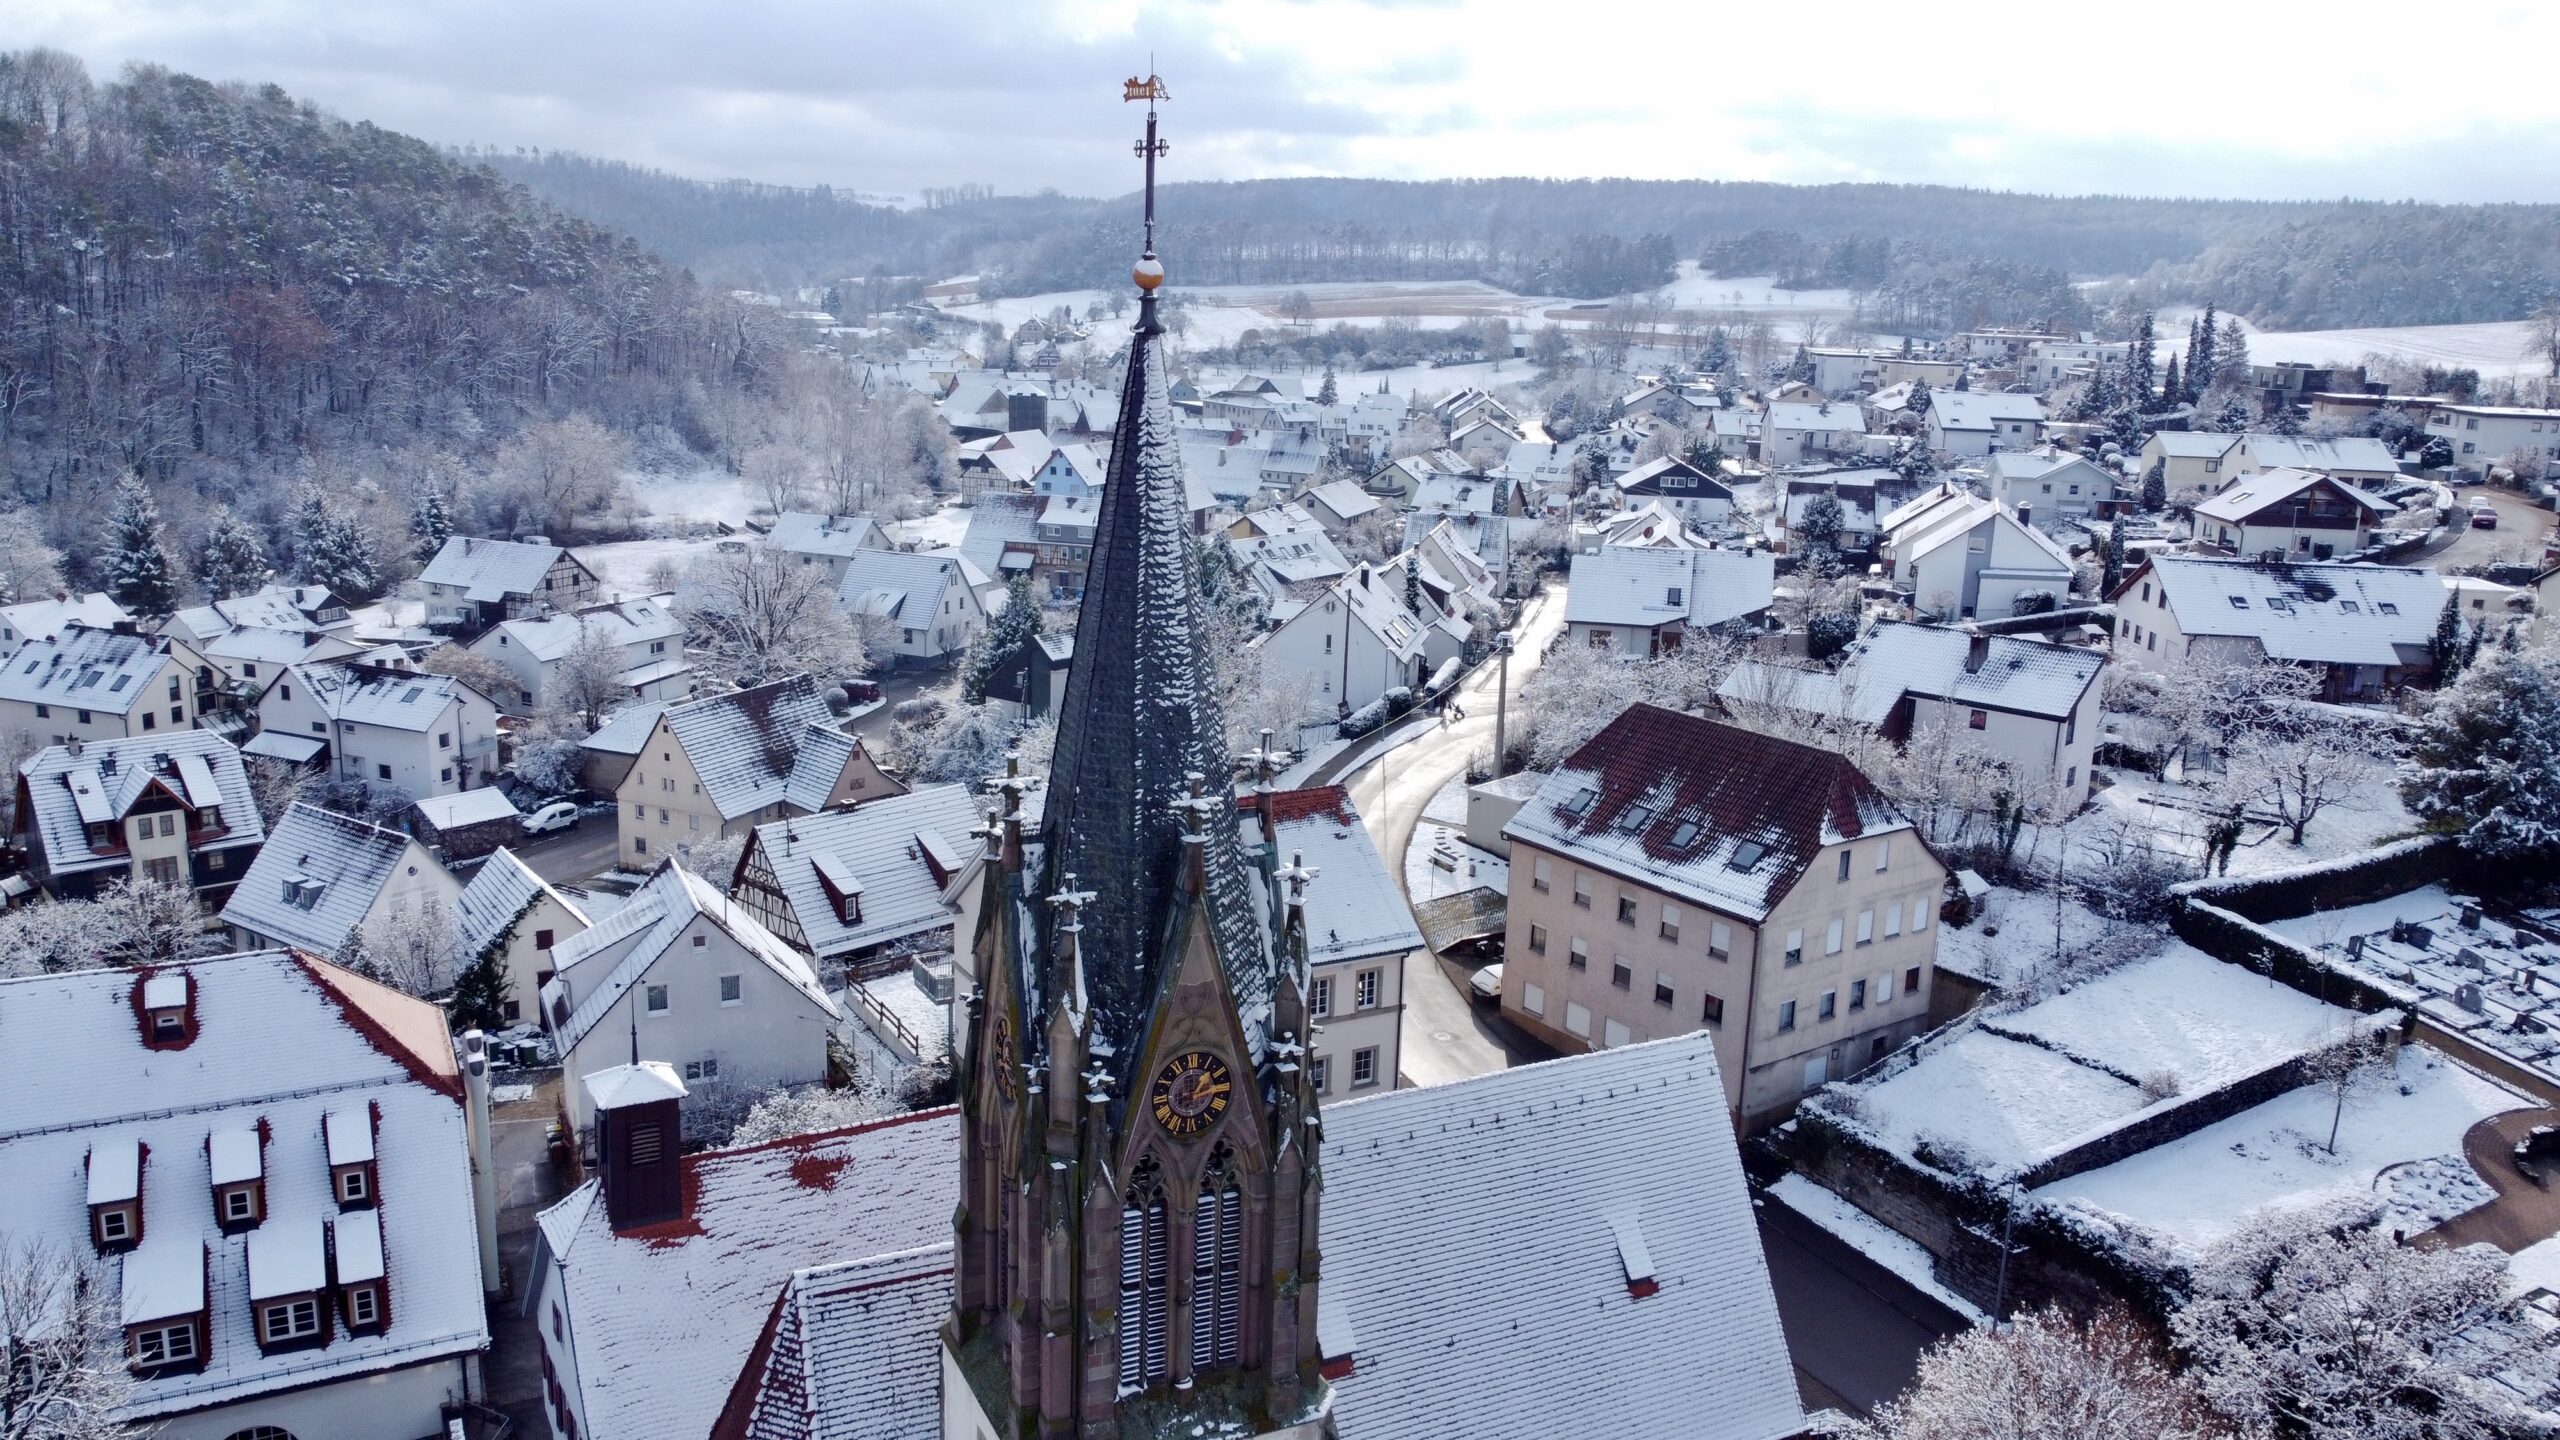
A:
{"x": 1149, "y": 272}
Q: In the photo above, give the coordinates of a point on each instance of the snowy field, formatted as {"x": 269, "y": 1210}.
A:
{"x": 2180, "y": 1022}
{"x": 2399, "y": 1140}
{"x": 2497, "y": 349}
{"x": 938, "y": 531}
{"x": 707, "y": 496}
{"x": 625, "y": 567}
{"x": 2168, "y": 811}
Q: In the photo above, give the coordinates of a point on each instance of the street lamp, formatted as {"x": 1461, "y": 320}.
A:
{"x": 1502, "y": 646}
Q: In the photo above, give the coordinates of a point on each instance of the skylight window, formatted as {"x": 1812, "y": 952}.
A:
{"x": 1748, "y": 854}
{"x": 2387, "y": 608}
{"x": 2281, "y": 607}
{"x": 1639, "y": 817}
{"x": 1681, "y": 838}
{"x": 2239, "y": 602}
{"x": 1582, "y": 801}
{"x": 2348, "y": 606}
{"x": 413, "y": 693}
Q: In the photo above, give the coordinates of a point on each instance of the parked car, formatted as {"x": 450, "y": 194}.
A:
{"x": 1486, "y": 984}
{"x": 558, "y": 815}
{"x": 2483, "y": 518}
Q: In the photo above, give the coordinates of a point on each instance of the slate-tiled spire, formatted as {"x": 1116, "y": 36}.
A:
{"x": 1139, "y": 717}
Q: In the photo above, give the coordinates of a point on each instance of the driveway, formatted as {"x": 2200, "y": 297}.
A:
{"x": 2519, "y": 536}
{"x": 2524, "y": 1213}
{"x": 565, "y": 857}
{"x": 1444, "y": 1036}
{"x": 526, "y": 1184}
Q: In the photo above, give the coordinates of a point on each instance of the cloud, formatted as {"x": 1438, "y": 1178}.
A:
{"x": 2202, "y": 98}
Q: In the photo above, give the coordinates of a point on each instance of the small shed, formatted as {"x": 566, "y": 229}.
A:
{"x": 467, "y": 824}
{"x": 1492, "y": 803}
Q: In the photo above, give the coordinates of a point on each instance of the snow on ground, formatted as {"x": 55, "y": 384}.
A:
{"x": 2167, "y": 810}
{"x": 2027, "y": 944}
{"x": 2497, "y": 985}
{"x": 2178, "y": 1021}
{"x": 2000, "y": 1103}
{"x": 2195, "y": 1191}
{"x": 1889, "y": 1248}
{"x": 1439, "y": 861}
{"x": 2496, "y": 349}
{"x": 625, "y": 567}
{"x": 709, "y": 495}
{"x": 940, "y": 530}
{"x": 2181, "y": 1013}
{"x": 914, "y": 1020}
{"x": 2535, "y": 1267}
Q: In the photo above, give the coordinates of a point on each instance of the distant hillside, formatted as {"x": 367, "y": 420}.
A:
{"x": 217, "y": 282}
{"x": 2284, "y": 264}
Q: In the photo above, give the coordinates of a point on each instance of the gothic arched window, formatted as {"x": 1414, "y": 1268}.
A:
{"x": 1146, "y": 1244}
{"x": 1217, "y": 1266}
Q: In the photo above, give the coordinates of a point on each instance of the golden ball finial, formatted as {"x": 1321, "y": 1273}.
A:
{"x": 1148, "y": 272}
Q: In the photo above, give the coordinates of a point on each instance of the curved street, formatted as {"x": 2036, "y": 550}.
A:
{"x": 1445, "y": 1036}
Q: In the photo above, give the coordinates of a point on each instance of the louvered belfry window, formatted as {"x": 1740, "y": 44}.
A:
{"x": 1145, "y": 1295}
{"x": 1217, "y": 1268}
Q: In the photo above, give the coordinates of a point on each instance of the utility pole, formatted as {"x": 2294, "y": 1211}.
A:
{"x": 1502, "y": 645}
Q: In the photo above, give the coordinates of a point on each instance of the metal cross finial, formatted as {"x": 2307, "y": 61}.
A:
{"x": 1150, "y": 90}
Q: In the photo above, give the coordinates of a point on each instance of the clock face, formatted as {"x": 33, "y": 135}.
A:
{"x": 1191, "y": 1092}
{"x": 1006, "y": 1070}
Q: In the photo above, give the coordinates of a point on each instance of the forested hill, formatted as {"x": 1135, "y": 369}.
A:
{"x": 210, "y": 285}
{"x": 2285, "y": 264}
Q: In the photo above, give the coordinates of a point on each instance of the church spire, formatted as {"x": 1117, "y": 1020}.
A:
{"x": 1141, "y": 714}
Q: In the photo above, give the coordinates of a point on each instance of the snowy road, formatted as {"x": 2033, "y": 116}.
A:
{"x": 1445, "y": 1037}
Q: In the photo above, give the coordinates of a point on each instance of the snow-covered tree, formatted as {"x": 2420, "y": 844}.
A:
{"x": 233, "y": 560}
{"x": 552, "y": 474}
{"x": 714, "y": 858}
{"x": 1329, "y": 393}
{"x": 29, "y": 568}
{"x": 62, "y": 1367}
{"x": 479, "y": 999}
{"x": 548, "y": 764}
{"x": 937, "y": 738}
{"x": 430, "y": 524}
{"x": 139, "y": 575}
{"x": 493, "y": 680}
{"x": 2446, "y": 647}
{"x": 331, "y": 547}
{"x": 412, "y": 948}
{"x": 2046, "y": 1377}
{"x": 2315, "y": 1323}
{"x": 1822, "y": 523}
{"x": 1003, "y": 638}
{"x": 145, "y": 922}
{"x": 758, "y": 616}
{"x": 2231, "y": 355}
{"x": 2115, "y": 556}
{"x": 588, "y": 681}
{"x": 2488, "y": 758}
{"x": 2305, "y": 767}
{"x": 780, "y": 1114}
{"x": 2155, "y": 486}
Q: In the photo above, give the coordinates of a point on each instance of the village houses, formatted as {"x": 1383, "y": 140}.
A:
{"x": 85, "y": 684}
{"x": 2362, "y": 629}
{"x": 930, "y": 598}
{"x": 1973, "y": 422}
{"x": 415, "y": 733}
{"x": 511, "y": 910}
{"x": 647, "y": 637}
{"x": 828, "y": 540}
{"x": 472, "y": 584}
{"x": 722, "y": 765}
{"x": 1958, "y": 556}
{"x": 173, "y": 808}
{"x": 2296, "y": 514}
{"x": 324, "y": 879}
{"x": 1638, "y": 602}
{"x": 850, "y": 884}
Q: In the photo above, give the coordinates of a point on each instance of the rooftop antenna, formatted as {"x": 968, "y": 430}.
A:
{"x": 1148, "y": 272}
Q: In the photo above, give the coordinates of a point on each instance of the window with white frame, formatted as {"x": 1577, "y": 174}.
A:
{"x": 1320, "y": 996}
{"x": 1795, "y": 947}
{"x": 364, "y": 1306}
{"x": 1919, "y": 915}
{"x": 167, "y": 1345}
{"x": 290, "y": 1319}
{"x": 1318, "y": 1070}
{"x": 1364, "y": 1067}
{"x": 1670, "y": 922}
{"x": 732, "y": 990}
{"x": 1831, "y": 938}
{"x": 1539, "y": 877}
{"x": 654, "y": 999}
{"x": 1365, "y": 989}
{"x": 1866, "y": 927}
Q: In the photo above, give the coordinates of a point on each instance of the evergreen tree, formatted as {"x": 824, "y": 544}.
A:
{"x": 234, "y": 560}
{"x": 1801, "y": 367}
{"x": 480, "y": 993}
{"x": 2488, "y": 758}
{"x": 1004, "y": 637}
{"x": 2173, "y": 390}
{"x": 2139, "y": 367}
{"x": 2115, "y": 555}
{"x": 1413, "y": 584}
{"x": 1919, "y": 406}
{"x": 331, "y": 549}
{"x": 139, "y": 576}
{"x": 2155, "y": 487}
{"x": 1964, "y": 381}
{"x": 1328, "y": 393}
{"x": 1906, "y": 347}
{"x": 2445, "y": 647}
{"x": 2200, "y": 358}
{"x": 2231, "y": 355}
{"x": 430, "y": 525}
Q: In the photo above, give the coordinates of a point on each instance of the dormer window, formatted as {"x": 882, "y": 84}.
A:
{"x": 237, "y": 1160}
{"x": 353, "y": 1174}
{"x": 115, "y": 1193}
{"x": 364, "y": 1302}
{"x": 288, "y": 1284}
{"x": 165, "y": 1002}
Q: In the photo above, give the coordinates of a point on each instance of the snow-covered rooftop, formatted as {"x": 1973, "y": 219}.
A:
{"x": 488, "y": 571}
{"x": 663, "y": 1318}
{"x": 338, "y": 864}
{"x": 281, "y": 1043}
{"x": 2314, "y": 612}
{"x": 852, "y": 1351}
{"x": 2028, "y": 677}
{"x": 1552, "y": 1167}
{"x": 600, "y": 964}
{"x": 1650, "y": 586}
{"x": 805, "y": 533}
{"x": 1725, "y": 816}
{"x": 1981, "y": 410}
{"x": 743, "y": 745}
{"x": 466, "y": 807}
{"x": 878, "y": 844}
{"x": 67, "y": 792}
{"x": 1354, "y": 908}
{"x": 2253, "y": 495}
{"x": 102, "y": 670}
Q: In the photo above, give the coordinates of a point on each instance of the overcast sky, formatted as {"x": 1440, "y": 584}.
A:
{"x": 2163, "y": 97}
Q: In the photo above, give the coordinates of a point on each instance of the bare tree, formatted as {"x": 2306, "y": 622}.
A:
{"x": 758, "y": 616}
{"x": 589, "y": 679}
{"x": 2303, "y": 769}
{"x": 494, "y": 681}
{"x": 29, "y": 568}
{"x": 553, "y": 472}
{"x": 412, "y": 950}
{"x": 62, "y": 1370}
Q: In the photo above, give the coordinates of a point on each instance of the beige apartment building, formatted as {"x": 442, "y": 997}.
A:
{"x": 1678, "y": 873}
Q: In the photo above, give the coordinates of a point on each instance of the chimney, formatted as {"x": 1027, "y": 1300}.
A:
{"x": 484, "y": 1172}
{"x": 2025, "y": 515}
{"x": 1977, "y": 648}
{"x": 639, "y": 1130}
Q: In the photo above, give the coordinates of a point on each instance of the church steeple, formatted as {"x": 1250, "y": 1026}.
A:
{"x": 1137, "y": 1235}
